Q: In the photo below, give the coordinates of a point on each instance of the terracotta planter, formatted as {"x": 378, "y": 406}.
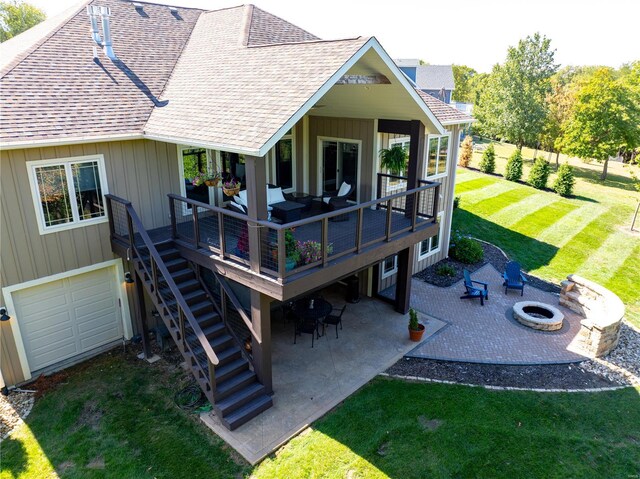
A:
{"x": 231, "y": 191}
{"x": 416, "y": 335}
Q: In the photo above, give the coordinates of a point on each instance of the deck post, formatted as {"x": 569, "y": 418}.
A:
{"x": 256, "y": 175}
{"x": 261, "y": 346}
{"x": 141, "y": 317}
{"x": 416, "y": 162}
{"x": 403, "y": 281}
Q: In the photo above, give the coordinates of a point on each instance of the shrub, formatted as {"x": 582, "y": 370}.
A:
{"x": 565, "y": 181}
{"x": 456, "y": 201}
{"x": 514, "y": 167}
{"x": 414, "y": 324}
{"x": 446, "y": 270}
{"x": 539, "y": 174}
{"x": 465, "y": 250}
{"x": 466, "y": 152}
{"x": 488, "y": 163}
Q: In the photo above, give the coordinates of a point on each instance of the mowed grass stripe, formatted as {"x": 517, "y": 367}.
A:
{"x": 474, "y": 184}
{"x": 514, "y": 212}
{"x": 561, "y": 232}
{"x": 540, "y": 220}
{"x": 462, "y": 176}
{"x": 487, "y": 192}
{"x": 626, "y": 279}
{"x": 609, "y": 257}
{"x": 497, "y": 203}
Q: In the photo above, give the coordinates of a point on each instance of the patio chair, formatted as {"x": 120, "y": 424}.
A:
{"x": 307, "y": 326}
{"x": 338, "y": 199}
{"x": 473, "y": 291}
{"x": 513, "y": 277}
{"x": 334, "y": 319}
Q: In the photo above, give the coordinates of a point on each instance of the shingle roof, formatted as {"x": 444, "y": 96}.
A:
{"x": 266, "y": 29}
{"x": 57, "y": 90}
{"x": 435, "y": 77}
{"x": 224, "y": 93}
{"x": 446, "y": 114}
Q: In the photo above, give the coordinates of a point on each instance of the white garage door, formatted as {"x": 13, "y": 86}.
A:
{"x": 68, "y": 317}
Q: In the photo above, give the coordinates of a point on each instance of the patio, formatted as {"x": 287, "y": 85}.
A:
{"x": 309, "y": 382}
{"x": 489, "y": 334}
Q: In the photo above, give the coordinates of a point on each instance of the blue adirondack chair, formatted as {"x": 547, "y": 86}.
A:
{"x": 513, "y": 277}
{"x": 474, "y": 291}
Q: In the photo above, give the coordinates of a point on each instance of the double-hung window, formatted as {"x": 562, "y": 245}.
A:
{"x": 431, "y": 245}
{"x": 389, "y": 266}
{"x": 68, "y": 193}
{"x": 437, "y": 155}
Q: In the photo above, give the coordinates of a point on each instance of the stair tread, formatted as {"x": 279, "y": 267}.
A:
{"x": 233, "y": 381}
{"x": 247, "y": 391}
{"x": 225, "y": 368}
{"x": 218, "y": 340}
{"x": 248, "y": 411}
{"x": 213, "y": 328}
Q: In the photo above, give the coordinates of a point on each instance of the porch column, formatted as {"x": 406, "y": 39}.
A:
{"x": 261, "y": 347}
{"x": 416, "y": 161}
{"x": 403, "y": 279}
{"x": 141, "y": 316}
{"x": 256, "y": 177}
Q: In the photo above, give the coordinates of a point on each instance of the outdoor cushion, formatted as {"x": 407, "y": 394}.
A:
{"x": 344, "y": 189}
{"x": 274, "y": 195}
{"x": 237, "y": 207}
{"x": 241, "y": 198}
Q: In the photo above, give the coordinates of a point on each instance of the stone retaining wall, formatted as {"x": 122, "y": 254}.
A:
{"x": 603, "y": 312}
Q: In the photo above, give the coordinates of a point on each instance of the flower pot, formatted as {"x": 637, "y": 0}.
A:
{"x": 416, "y": 335}
{"x": 231, "y": 191}
{"x": 290, "y": 263}
{"x": 212, "y": 183}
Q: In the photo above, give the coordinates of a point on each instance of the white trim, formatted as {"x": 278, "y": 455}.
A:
{"x": 196, "y": 143}
{"x": 305, "y": 153}
{"x": 320, "y": 162}
{"x": 186, "y": 208}
{"x": 383, "y": 274}
{"x": 35, "y": 191}
{"x": 377, "y": 143}
{"x": 446, "y": 163}
{"x": 8, "y": 291}
{"x": 271, "y": 162}
{"x": 70, "y": 140}
{"x": 438, "y": 248}
{"x": 453, "y": 159}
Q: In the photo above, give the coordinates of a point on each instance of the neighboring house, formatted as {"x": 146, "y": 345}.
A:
{"x": 102, "y": 222}
{"x": 436, "y": 80}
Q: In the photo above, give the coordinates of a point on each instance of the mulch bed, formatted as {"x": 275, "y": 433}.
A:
{"x": 547, "y": 376}
{"x": 492, "y": 255}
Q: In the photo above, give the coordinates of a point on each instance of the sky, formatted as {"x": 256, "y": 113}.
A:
{"x": 475, "y": 33}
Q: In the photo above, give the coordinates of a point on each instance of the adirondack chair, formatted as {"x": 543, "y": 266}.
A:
{"x": 513, "y": 278}
{"x": 474, "y": 291}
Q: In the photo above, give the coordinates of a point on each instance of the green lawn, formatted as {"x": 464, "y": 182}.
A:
{"x": 114, "y": 418}
{"x": 553, "y": 236}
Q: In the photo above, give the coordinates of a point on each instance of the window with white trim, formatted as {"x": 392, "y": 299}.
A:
{"x": 68, "y": 193}
{"x": 389, "y": 266}
{"x": 431, "y": 245}
{"x": 437, "y": 155}
{"x": 283, "y": 162}
{"x": 405, "y": 142}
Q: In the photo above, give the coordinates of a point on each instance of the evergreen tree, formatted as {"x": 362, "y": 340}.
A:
{"x": 513, "y": 171}
{"x": 539, "y": 174}
{"x": 565, "y": 181}
{"x": 488, "y": 163}
{"x": 466, "y": 152}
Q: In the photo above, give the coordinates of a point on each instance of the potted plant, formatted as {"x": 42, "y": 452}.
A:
{"x": 394, "y": 159}
{"x": 211, "y": 179}
{"x": 291, "y": 250}
{"x": 231, "y": 187}
{"x": 198, "y": 179}
{"x": 311, "y": 251}
{"x": 416, "y": 330}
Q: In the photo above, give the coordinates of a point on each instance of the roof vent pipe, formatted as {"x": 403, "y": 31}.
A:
{"x": 105, "y": 12}
{"x": 93, "y": 11}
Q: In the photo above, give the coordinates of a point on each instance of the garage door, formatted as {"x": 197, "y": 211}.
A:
{"x": 68, "y": 317}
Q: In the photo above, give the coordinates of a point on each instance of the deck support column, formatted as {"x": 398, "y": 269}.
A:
{"x": 416, "y": 162}
{"x": 403, "y": 280}
{"x": 141, "y": 317}
{"x": 261, "y": 345}
{"x": 256, "y": 177}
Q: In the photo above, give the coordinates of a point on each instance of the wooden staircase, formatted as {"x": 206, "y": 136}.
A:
{"x": 236, "y": 394}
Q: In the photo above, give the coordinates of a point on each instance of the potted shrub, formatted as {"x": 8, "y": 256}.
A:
{"x": 291, "y": 250}
{"x": 231, "y": 187}
{"x": 416, "y": 330}
{"x": 394, "y": 159}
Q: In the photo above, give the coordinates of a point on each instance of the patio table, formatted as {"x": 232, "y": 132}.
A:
{"x": 320, "y": 310}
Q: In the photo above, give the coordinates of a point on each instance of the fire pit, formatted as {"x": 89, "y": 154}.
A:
{"x": 538, "y": 315}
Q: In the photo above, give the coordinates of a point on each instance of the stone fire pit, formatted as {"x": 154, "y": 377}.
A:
{"x": 538, "y": 315}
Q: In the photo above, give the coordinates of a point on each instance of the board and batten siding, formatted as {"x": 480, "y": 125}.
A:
{"x": 345, "y": 129}
{"x": 142, "y": 171}
{"x": 447, "y": 191}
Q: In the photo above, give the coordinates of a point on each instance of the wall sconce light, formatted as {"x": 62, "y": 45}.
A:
{"x": 3, "y": 315}
{"x": 127, "y": 278}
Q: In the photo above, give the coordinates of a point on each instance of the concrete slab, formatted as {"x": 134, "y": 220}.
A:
{"x": 309, "y": 382}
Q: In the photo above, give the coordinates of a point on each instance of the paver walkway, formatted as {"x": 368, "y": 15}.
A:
{"x": 489, "y": 334}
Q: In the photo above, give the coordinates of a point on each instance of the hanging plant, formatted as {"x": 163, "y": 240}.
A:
{"x": 394, "y": 159}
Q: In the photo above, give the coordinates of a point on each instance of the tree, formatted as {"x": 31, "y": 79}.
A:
{"x": 513, "y": 172}
{"x": 466, "y": 151}
{"x": 17, "y": 16}
{"x": 565, "y": 181}
{"x": 463, "y": 77}
{"x": 605, "y": 118}
{"x": 512, "y": 105}
{"x": 488, "y": 162}
{"x": 539, "y": 174}
{"x": 559, "y": 102}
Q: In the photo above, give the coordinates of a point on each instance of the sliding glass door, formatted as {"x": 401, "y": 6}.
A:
{"x": 339, "y": 163}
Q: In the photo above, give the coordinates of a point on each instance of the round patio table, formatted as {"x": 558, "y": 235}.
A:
{"x": 321, "y": 309}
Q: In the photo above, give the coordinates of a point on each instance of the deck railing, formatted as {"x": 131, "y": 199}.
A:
{"x": 126, "y": 227}
{"x": 313, "y": 241}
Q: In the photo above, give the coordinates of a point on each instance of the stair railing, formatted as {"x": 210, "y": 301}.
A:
{"x": 125, "y": 225}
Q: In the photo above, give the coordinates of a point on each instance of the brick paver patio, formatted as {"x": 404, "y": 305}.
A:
{"x": 489, "y": 334}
